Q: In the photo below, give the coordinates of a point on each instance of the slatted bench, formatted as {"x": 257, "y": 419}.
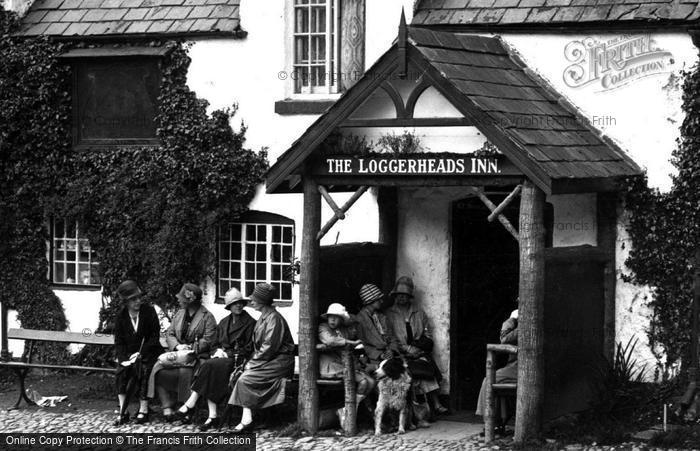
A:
{"x": 494, "y": 390}
{"x": 21, "y": 368}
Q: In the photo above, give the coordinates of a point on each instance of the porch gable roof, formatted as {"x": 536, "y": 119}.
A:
{"x": 527, "y": 119}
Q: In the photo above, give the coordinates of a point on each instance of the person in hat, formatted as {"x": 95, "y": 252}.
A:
{"x": 373, "y": 328}
{"x": 232, "y": 346}
{"x": 507, "y": 374}
{"x": 262, "y": 383}
{"x": 413, "y": 332}
{"x": 193, "y": 329}
{"x": 335, "y": 334}
{"x": 136, "y": 335}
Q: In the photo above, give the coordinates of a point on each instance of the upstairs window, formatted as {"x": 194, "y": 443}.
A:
{"x": 260, "y": 248}
{"x": 315, "y": 46}
{"x": 73, "y": 261}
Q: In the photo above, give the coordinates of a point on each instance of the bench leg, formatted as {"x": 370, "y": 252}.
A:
{"x": 22, "y": 374}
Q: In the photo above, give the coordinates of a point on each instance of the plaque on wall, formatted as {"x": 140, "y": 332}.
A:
{"x": 115, "y": 102}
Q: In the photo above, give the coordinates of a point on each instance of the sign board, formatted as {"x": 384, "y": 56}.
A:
{"x": 416, "y": 165}
{"x": 115, "y": 101}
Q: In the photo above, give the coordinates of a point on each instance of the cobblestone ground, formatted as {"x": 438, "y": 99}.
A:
{"x": 91, "y": 420}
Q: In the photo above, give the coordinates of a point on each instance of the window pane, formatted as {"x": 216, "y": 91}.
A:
{"x": 288, "y": 235}
{"x": 301, "y": 52}
{"x": 249, "y": 270}
{"x": 59, "y": 254}
{"x": 224, "y": 270}
{"x": 70, "y": 272}
{"x": 84, "y": 274}
{"x": 276, "y": 253}
{"x": 70, "y": 229}
{"x": 261, "y": 273}
{"x": 235, "y": 270}
{"x": 236, "y": 232}
{"x": 236, "y": 251}
{"x": 249, "y": 287}
{"x": 262, "y": 233}
{"x": 250, "y": 252}
{"x": 224, "y": 251}
{"x": 260, "y": 253}
{"x": 95, "y": 278}
{"x": 59, "y": 275}
{"x": 276, "y": 272}
{"x": 286, "y": 293}
{"x": 250, "y": 233}
{"x": 58, "y": 229}
{"x": 223, "y": 287}
{"x": 287, "y": 253}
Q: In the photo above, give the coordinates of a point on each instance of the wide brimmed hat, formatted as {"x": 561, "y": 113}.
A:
{"x": 190, "y": 293}
{"x": 404, "y": 285}
{"x": 370, "y": 293}
{"x": 264, "y": 293}
{"x": 128, "y": 290}
{"x": 232, "y": 296}
{"x": 337, "y": 310}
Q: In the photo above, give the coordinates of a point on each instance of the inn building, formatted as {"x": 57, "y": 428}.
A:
{"x": 537, "y": 109}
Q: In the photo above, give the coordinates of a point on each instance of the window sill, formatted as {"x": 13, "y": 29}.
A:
{"x": 283, "y": 303}
{"x": 302, "y": 106}
{"x": 72, "y": 287}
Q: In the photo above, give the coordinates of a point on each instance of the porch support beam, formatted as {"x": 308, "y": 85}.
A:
{"x": 502, "y": 206}
{"x": 607, "y": 238}
{"x": 530, "y": 392}
{"x": 502, "y": 219}
{"x": 307, "y": 410}
{"x": 331, "y": 203}
{"x": 387, "y": 203}
{"x": 346, "y": 206}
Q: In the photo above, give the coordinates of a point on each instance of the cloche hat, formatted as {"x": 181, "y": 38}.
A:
{"x": 337, "y": 310}
{"x": 370, "y": 293}
{"x": 232, "y": 296}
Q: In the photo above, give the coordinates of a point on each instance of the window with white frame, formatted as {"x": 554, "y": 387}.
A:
{"x": 72, "y": 258}
{"x": 315, "y": 46}
{"x": 254, "y": 252}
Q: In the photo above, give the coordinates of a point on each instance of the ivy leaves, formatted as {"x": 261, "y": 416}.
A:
{"x": 665, "y": 231}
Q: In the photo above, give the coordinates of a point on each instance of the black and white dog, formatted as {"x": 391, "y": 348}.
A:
{"x": 393, "y": 383}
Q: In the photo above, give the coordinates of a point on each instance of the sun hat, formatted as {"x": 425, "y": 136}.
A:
{"x": 370, "y": 293}
{"x": 263, "y": 293}
{"x": 232, "y": 296}
{"x": 404, "y": 285}
{"x": 190, "y": 293}
{"x": 337, "y": 310}
{"x": 128, "y": 290}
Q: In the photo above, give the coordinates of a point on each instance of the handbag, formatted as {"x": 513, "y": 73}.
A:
{"x": 238, "y": 368}
{"x": 420, "y": 369}
{"x": 423, "y": 343}
{"x": 175, "y": 359}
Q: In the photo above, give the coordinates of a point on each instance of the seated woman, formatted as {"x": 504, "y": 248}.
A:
{"x": 373, "y": 328}
{"x": 412, "y": 329}
{"x": 335, "y": 334}
{"x": 193, "y": 329}
{"x": 136, "y": 334}
{"x": 262, "y": 383}
{"x": 232, "y": 346}
{"x": 507, "y": 374}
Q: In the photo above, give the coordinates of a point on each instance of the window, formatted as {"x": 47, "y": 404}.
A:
{"x": 255, "y": 251}
{"x": 315, "y": 46}
{"x": 72, "y": 258}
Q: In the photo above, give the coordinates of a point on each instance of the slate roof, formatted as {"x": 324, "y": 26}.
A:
{"x": 553, "y": 12}
{"x": 529, "y": 121}
{"x": 87, "y": 18}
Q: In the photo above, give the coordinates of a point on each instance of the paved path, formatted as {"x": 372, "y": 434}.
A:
{"x": 443, "y": 435}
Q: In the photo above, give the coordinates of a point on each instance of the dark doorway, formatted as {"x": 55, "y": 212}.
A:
{"x": 484, "y": 289}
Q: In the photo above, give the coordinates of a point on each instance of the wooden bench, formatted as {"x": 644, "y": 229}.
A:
{"x": 494, "y": 390}
{"x": 22, "y": 367}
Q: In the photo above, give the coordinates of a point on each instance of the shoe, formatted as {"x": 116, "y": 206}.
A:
{"x": 186, "y": 416}
{"x": 423, "y": 424}
{"x": 122, "y": 419}
{"x": 211, "y": 423}
{"x": 240, "y": 427}
{"x": 169, "y": 418}
{"x": 142, "y": 417}
{"x": 441, "y": 410}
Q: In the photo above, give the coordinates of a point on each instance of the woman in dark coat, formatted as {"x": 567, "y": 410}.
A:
{"x": 136, "y": 340}
{"x": 233, "y": 345}
{"x": 193, "y": 329}
{"x": 262, "y": 383}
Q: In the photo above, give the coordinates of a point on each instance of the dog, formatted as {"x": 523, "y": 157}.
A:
{"x": 393, "y": 383}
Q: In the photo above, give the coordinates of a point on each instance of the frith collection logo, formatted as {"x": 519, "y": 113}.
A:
{"x": 614, "y": 63}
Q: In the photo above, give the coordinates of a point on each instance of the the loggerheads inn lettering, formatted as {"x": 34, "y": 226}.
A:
{"x": 414, "y": 166}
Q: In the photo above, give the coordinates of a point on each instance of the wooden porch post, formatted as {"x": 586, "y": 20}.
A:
{"x": 4, "y": 351}
{"x": 530, "y": 392}
{"x": 387, "y": 202}
{"x": 308, "y": 308}
{"x": 607, "y": 238}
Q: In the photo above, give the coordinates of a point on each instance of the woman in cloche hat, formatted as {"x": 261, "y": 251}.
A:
{"x": 262, "y": 383}
{"x": 136, "y": 335}
{"x": 335, "y": 334}
{"x": 232, "y": 346}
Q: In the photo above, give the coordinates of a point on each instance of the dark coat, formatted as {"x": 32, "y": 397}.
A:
{"x": 235, "y": 338}
{"x": 127, "y": 341}
{"x": 202, "y": 331}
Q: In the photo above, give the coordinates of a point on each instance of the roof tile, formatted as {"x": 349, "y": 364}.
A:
{"x": 113, "y": 17}
{"x": 531, "y": 3}
{"x": 593, "y": 13}
{"x": 505, "y": 3}
{"x": 541, "y": 14}
{"x": 515, "y": 15}
{"x": 568, "y": 14}
{"x": 490, "y": 15}
{"x": 465, "y": 16}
